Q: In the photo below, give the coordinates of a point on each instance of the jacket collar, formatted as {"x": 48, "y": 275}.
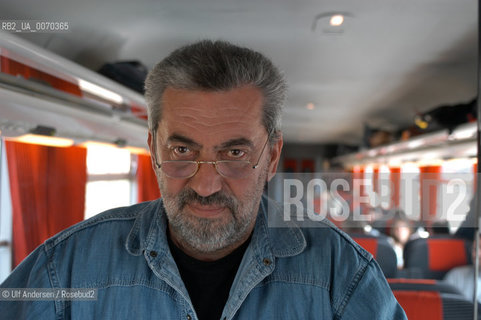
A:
{"x": 149, "y": 230}
{"x": 284, "y": 238}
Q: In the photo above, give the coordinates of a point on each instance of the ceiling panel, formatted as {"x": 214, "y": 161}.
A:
{"x": 388, "y": 61}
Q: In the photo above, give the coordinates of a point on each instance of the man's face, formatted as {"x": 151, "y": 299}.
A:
{"x": 208, "y": 212}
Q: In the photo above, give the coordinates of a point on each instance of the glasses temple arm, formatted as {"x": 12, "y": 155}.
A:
{"x": 260, "y": 155}
{"x": 154, "y": 141}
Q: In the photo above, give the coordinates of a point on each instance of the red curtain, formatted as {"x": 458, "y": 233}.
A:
{"x": 429, "y": 179}
{"x": 375, "y": 180}
{"x": 48, "y": 192}
{"x": 396, "y": 186}
{"x": 147, "y": 186}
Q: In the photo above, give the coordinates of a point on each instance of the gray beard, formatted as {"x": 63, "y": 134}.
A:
{"x": 210, "y": 235}
{"x": 206, "y": 235}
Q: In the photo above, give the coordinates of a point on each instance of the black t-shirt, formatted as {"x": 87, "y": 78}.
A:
{"x": 208, "y": 282}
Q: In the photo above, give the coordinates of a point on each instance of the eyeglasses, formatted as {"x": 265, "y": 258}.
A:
{"x": 184, "y": 169}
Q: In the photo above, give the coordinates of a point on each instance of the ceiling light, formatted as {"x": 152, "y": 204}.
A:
{"x": 372, "y": 152}
{"x": 100, "y": 92}
{"x": 96, "y": 144}
{"x": 44, "y": 140}
{"x": 390, "y": 149}
{"x": 336, "y": 20}
{"x": 136, "y": 150}
{"x": 384, "y": 169}
{"x": 105, "y": 145}
{"x": 425, "y": 162}
{"x": 415, "y": 144}
{"x": 395, "y": 163}
{"x": 463, "y": 133}
{"x": 330, "y": 21}
{"x": 409, "y": 167}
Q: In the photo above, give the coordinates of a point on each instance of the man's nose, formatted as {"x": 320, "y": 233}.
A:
{"x": 207, "y": 180}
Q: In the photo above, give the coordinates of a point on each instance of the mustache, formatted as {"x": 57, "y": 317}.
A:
{"x": 187, "y": 196}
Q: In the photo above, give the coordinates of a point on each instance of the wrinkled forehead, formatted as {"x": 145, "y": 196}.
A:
{"x": 236, "y": 112}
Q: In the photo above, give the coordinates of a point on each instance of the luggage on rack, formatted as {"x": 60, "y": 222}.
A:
{"x": 131, "y": 74}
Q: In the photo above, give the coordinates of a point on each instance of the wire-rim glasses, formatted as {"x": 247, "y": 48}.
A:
{"x": 184, "y": 169}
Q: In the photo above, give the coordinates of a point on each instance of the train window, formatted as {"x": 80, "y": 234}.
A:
{"x": 369, "y": 188}
{"x": 103, "y": 195}
{"x": 105, "y": 159}
{"x": 111, "y": 182}
{"x": 409, "y": 191}
{"x": 457, "y": 189}
{"x": 384, "y": 186}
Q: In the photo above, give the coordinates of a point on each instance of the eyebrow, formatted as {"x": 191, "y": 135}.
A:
{"x": 237, "y": 142}
{"x": 230, "y": 143}
{"x": 180, "y": 138}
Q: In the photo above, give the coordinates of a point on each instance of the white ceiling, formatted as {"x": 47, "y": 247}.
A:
{"x": 388, "y": 61}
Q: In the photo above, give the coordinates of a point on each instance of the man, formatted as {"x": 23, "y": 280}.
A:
{"x": 205, "y": 250}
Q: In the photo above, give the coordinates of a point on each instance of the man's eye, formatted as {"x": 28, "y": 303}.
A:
{"x": 181, "y": 150}
{"x": 236, "y": 153}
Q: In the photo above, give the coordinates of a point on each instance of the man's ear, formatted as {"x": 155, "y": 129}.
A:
{"x": 151, "y": 149}
{"x": 275, "y": 155}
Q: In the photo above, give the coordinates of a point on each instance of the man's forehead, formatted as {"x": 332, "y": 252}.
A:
{"x": 230, "y": 114}
{"x": 245, "y": 100}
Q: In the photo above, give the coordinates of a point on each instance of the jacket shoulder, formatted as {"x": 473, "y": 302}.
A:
{"x": 122, "y": 215}
{"x": 325, "y": 233}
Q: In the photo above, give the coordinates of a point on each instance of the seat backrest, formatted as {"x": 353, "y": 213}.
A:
{"x": 422, "y": 285}
{"x": 436, "y": 255}
{"x": 433, "y": 305}
{"x": 381, "y": 250}
{"x": 420, "y": 305}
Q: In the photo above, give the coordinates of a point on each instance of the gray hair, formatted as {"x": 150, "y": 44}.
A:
{"x": 216, "y": 66}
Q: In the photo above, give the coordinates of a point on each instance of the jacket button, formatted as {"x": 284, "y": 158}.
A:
{"x": 189, "y": 317}
{"x": 267, "y": 262}
{"x": 153, "y": 254}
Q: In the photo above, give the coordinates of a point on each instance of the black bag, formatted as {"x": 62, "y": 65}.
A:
{"x": 131, "y": 74}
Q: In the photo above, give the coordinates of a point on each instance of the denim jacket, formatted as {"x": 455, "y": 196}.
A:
{"x": 286, "y": 273}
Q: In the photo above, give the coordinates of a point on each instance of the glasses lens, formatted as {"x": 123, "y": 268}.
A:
{"x": 234, "y": 169}
{"x": 179, "y": 169}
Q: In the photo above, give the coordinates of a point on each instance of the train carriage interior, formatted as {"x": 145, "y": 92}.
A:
{"x": 382, "y": 95}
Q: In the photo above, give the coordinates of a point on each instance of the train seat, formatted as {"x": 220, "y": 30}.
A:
{"x": 434, "y": 305}
{"x": 422, "y": 285}
{"x": 381, "y": 250}
{"x": 433, "y": 257}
